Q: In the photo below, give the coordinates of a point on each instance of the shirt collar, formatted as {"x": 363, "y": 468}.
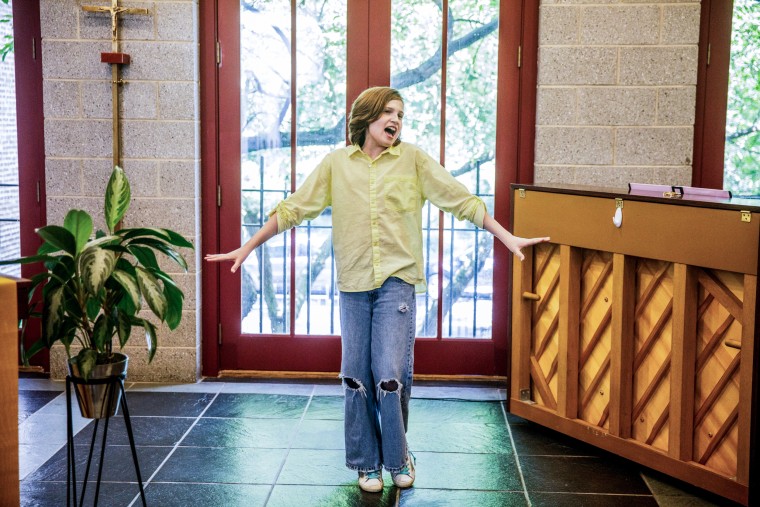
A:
{"x": 392, "y": 150}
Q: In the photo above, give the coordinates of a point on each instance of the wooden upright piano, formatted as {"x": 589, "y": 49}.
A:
{"x": 640, "y": 337}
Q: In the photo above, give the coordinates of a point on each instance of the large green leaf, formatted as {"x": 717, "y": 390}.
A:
{"x": 178, "y": 240}
{"x": 151, "y": 291}
{"x": 124, "y": 329}
{"x": 79, "y": 224}
{"x": 100, "y": 332}
{"x": 151, "y": 338}
{"x": 129, "y": 284}
{"x": 95, "y": 266}
{"x": 118, "y": 195}
{"x": 144, "y": 231}
{"x": 59, "y": 237}
{"x": 27, "y": 260}
{"x": 162, "y": 247}
{"x": 51, "y": 314}
{"x": 144, "y": 256}
{"x": 174, "y": 299}
{"x": 86, "y": 360}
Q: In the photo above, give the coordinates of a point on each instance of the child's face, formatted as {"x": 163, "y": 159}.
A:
{"x": 386, "y": 129}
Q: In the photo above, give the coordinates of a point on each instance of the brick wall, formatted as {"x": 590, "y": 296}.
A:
{"x": 616, "y": 91}
{"x": 10, "y": 246}
{"x": 160, "y": 142}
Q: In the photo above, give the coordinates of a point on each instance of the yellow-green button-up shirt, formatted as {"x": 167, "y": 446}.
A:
{"x": 377, "y": 211}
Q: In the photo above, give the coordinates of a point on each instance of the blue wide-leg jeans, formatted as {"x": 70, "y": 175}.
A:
{"x": 377, "y": 361}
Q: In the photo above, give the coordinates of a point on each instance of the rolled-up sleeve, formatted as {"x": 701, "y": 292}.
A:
{"x": 446, "y": 192}
{"x": 308, "y": 201}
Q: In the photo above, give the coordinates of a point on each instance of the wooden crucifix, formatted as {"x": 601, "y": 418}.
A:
{"x": 115, "y": 58}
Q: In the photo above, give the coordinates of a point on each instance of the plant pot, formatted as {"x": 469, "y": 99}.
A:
{"x": 97, "y": 397}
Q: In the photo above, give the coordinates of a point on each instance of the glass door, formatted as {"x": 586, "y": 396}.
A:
{"x": 283, "y": 98}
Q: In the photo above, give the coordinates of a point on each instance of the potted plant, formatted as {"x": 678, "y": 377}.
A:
{"x": 94, "y": 286}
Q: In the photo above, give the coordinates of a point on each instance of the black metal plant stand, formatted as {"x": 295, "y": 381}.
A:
{"x": 71, "y": 478}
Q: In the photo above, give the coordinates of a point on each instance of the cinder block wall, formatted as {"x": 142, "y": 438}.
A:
{"x": 616, "y": 91}
{"x": 160, "y": 132}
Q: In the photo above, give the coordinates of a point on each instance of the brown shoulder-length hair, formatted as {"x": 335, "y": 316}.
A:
{"x": 368, "y": 107}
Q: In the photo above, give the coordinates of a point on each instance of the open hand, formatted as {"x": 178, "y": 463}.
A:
{"x": 236, "y": 256}
{"x": 516, "y": 244}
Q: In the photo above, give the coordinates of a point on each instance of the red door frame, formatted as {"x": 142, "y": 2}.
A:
{"x": 31, "y": 142}
{"x": 514, "y": 163}
{"x": 712, "y": 93}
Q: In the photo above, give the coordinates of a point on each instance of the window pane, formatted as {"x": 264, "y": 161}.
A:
{"x": 266, "y": 165}
{"x": 321, "y": 126}
{"x": 10, "y": 244}
{"x": 470, "y": 149}
{"x": 742, "y": 151}
{"x": 265, "y": 42}
{"x": 416, "y": 38}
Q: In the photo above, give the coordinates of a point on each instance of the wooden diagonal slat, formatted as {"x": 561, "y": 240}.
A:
{"x": 546, "y": 298}
{"x": 596, "y": 337}
{"x": 715, "y": 340}
{"x": 650, "y": 290}
{"x": 723, "y": 294}
{"x": 720, "y": 435}
{"x": 594, "y": 385}
{"x": 652, "y": 387}
{"x": 654, "y": 334}
{"x": 591, "y": 298}
{"x": 545, "y": 261}
{"x": 658, "y": 425}
{"x": 707, "y": 405}
{"x": 543, "y": 341}
{"x": 539, "y": 382}
{"x": 552, "y": 370}
{"x": 605, "y": 415}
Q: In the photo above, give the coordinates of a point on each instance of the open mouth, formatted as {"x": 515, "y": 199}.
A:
{"x": 391, "y": 131}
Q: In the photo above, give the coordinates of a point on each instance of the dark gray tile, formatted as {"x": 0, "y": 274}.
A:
{"x": 488, "y": 472}
{"x": 53, "y": 494}
{"x": 590, "y": 500}
{"x": 263, "y": 406}
{"x": 241, "y": 432}
{"x": 167, "y": 404}
{"x": 31, "y": 401}
{"x": 556, "y": 474}
{"x": 117, "y": 464}
{"x": 450, "y": 411}
{"x": 459, "y": 437}
{"x": 417, "y": 497}
{"x": 222, "y": 465}
{"x": 152, "y": 431}
{"x": 206, "y": 495}
{"x": 330, "y": 496}
{"x": 320, "y": 434}
{"x": 317, "y": 467}
{"x": 325, "y": 407}
{"x": 535, "y": 440}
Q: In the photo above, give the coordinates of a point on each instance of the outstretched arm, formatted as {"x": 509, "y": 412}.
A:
{"x": 239, "y": 255}
{"x": 514, "y": 243}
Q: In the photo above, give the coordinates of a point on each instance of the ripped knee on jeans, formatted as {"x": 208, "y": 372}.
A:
{"x": 354, "y": 385}
{"x": 389, "y": 386}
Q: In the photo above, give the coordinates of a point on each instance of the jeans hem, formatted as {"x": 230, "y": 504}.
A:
{"x": 357, "y": 468}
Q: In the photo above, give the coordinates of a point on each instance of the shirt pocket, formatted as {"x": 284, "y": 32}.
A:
{"x": 401, "y": 194}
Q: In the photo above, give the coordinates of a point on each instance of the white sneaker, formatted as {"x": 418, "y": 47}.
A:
{"x": 404, "y": 478}
{"x": 371, "y": 482}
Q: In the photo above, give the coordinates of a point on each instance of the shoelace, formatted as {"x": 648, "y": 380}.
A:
{"x": 375, "y": 474}
{"x": 405, "y": 470}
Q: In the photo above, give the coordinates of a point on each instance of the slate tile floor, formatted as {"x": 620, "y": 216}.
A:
{"x": 233, "y": 443}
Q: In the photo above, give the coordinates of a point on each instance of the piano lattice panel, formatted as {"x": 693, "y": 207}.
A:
{"x": 595, "y": 338}
{"x": 545, "y": 335}
{"x": 653, "y": 339}
{"x": 716, "y": 399}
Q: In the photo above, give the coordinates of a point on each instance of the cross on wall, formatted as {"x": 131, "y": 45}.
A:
{"x": 115, "y": 58}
